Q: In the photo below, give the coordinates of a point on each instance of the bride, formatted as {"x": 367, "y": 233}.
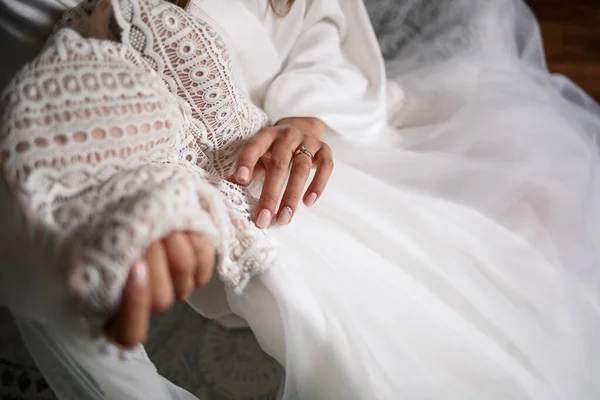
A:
{"x": 453, "y": 253}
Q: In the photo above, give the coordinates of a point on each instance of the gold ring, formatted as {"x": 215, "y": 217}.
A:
{"x": 304, "y": 150}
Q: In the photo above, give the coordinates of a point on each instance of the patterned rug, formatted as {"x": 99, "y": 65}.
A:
{"x": 230, "y": 363}
{"x": 19, "y": 377}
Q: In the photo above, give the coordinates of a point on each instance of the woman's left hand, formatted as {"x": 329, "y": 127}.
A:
{"x": 294, "y": 143}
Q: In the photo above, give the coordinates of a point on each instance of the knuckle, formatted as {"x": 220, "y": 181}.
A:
{"x": 252, "y": 142}
{"x": 155, "y": 247}
{"x": 303, "y": 166}
{"x": 246, "y": 159}
{"x": 279, "y": 163}
{"x": 325, "y": 147}
{"x": 260, "y": 135}
{"x": 183, "y": 263}
{"x": 250, "y": 148}
{"x": 292, "y": 200}
{"x": 202, "y": 245}
{"x": 269, "y": 198}
{"x": 328, "y": 164}
{"x": 181, "y": 266}
{"x": 136, "y": 300}
{"x": 290, "y": 132}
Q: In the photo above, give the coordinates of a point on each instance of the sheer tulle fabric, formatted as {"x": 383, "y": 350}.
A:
{"x": 462, "y": 262}
{"x": 466, "y": 259}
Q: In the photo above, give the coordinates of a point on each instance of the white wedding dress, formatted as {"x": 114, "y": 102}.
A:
{"x": 454, "y": 255}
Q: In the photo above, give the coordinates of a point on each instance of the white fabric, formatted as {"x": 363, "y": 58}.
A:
{"x": 296, "y": 60}
{"x": 108, "y": 159}
{"x": 464, "y": 263}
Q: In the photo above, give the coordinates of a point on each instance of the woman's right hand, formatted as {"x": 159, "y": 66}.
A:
{"x": 170, "y": 270}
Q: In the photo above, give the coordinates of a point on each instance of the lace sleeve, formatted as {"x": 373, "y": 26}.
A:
{"x": 90, "y": 141}
{"x": 196, "y": 65}
{"x": 115, "y": 143}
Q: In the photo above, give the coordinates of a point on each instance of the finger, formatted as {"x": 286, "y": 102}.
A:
{"x": 162, "y": 292}
{"x": 252, "y": 151}
{"x": 130, "y": 326}
{"x": 324, "y": 163}
{"x": 259, "y": 172}
{"x": 277, "y": 171}
{"x": 301, "y": 166}
{"x": 182, "y": 264}
{"x": 205, "y": 255}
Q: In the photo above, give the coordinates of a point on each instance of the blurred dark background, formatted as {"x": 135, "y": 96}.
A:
{"x": 571, "y": 31}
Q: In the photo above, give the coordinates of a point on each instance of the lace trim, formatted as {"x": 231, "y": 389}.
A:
{"x": 115, "y": 142}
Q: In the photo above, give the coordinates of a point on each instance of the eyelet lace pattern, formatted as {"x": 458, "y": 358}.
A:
{"x": 116, "y": 140}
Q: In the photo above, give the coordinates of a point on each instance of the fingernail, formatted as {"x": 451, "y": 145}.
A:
{"x": 140, "y": 273}
{"x": 264, "y": 219}
{"x": 285, "y": 216}
{"x": 311, "y": 200}
{"x": 243, "y": 174}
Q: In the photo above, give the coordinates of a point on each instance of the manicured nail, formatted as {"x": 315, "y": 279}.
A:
{"x": 243, "y": 174}
{"x": 264, "y": 219}
{"x": 284, "y": 216}
{"x": 140, "y": 273}
{"x": 311, "y": 199}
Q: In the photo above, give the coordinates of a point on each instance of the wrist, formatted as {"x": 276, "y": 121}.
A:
{"x": 308, "y": 125}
